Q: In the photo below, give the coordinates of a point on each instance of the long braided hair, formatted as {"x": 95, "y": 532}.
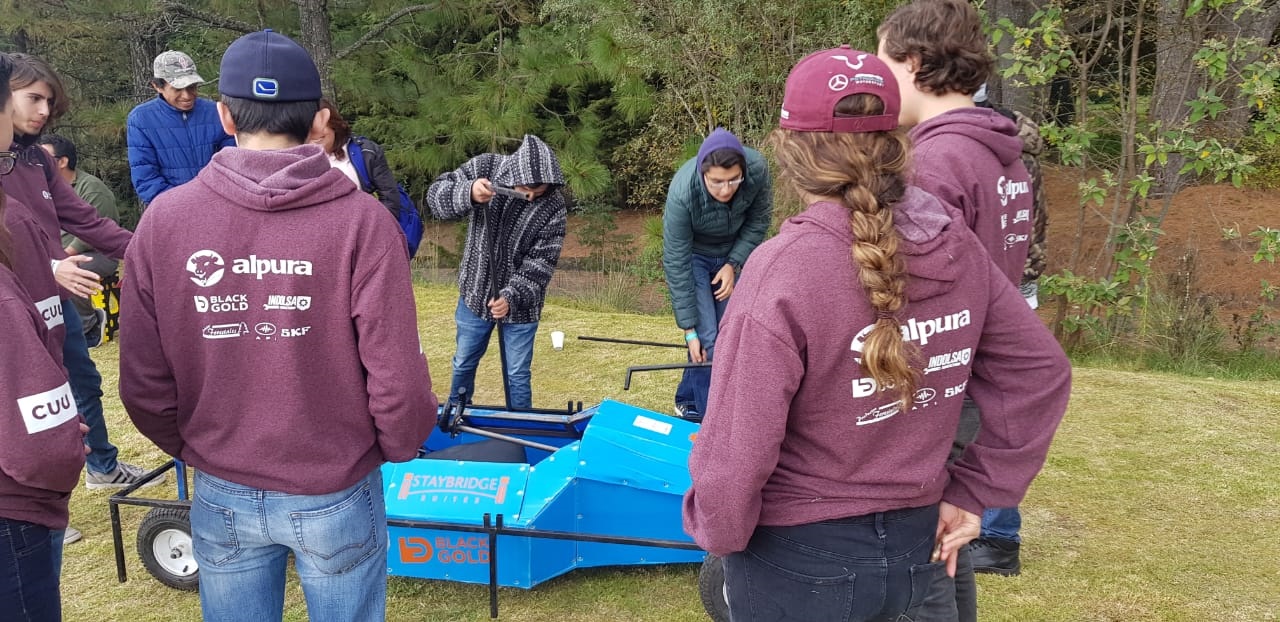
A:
{"x": 867, "y": 170}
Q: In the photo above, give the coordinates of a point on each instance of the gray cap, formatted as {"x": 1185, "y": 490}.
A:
{"x": 177, "y": 69}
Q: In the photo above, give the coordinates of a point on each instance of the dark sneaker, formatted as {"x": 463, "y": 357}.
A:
{"x": 995, "y": 556}
{"x": 95, "y": 335}
{"x": 124, "y": 476}
{"x": 688, "y": 412}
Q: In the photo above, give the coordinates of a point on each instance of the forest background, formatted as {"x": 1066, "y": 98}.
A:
{"x": 1138, "y": 99}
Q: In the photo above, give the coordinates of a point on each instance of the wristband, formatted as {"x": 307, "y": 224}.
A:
{"x": 691, "y": 335}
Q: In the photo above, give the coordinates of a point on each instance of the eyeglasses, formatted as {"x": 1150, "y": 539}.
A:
{"x": 7, "y": 161}
{"x": 730, "y": 183}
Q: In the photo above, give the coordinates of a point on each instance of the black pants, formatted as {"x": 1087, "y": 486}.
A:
{"x": 868, "y": 568}
{"x": 103, "y": 266}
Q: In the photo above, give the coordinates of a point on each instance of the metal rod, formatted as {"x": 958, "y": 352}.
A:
{"x": 494, "y": 292}
{"x": 633, "y": 342}
{"x": 180, "y": 472}
{"x": 119, "y": 543}
{"x": 626, "y": 384}
{"x": 503, "y": 437}
{"x": 493, "y": 564}
{"x": 502, "y": 356}
{"x": 544, "y": 534}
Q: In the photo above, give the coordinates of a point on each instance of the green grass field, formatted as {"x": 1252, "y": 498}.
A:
{"x": 1160, "y": 500}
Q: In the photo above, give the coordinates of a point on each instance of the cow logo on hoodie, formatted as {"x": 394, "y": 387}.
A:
{"x": 206, "y": 268}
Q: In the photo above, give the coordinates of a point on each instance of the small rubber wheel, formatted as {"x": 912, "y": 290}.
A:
{"x": 711, "y": 588}
{"x": 164, "y": 544}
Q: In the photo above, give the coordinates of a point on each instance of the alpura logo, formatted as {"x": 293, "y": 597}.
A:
{"x": 206, "y": 268}
{"x": 1008, "y": 189}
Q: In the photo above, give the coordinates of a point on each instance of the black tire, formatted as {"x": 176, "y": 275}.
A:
{"x": 711, "y": 588}
{"x": 164, "y": 544}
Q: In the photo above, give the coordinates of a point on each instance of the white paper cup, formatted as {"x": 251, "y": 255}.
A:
{"x": 557, "y": 339}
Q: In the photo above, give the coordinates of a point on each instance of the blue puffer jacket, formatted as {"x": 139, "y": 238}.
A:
{"x": 167, "y": 147}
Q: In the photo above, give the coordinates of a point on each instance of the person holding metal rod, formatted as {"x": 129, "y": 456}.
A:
{"x": 515, "y": 230}
{"x": 719, "y": 207}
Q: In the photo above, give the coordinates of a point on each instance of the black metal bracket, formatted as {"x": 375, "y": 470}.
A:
{"x": 626, "y": 384}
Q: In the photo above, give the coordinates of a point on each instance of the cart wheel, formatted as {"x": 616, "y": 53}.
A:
{"x": 711, "y": 588}
{"x": 164, "y": 544}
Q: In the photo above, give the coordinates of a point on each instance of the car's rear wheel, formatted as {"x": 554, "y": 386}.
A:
{"x": 711, "y": 588}
{"x": 164, "y": 544}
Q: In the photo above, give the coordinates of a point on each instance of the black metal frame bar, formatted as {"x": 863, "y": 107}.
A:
{"x": 491, "y": 525}
{"x": 123, "y": 498}
{"x": 626, "y": 384}
{"x": 634, "y": 342}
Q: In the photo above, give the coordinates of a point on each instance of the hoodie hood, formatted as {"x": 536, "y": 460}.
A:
{"x": 719, "y": 139}
{"x": 981, "y": 126}
{"x": 1029, "y": 134}
{"x": 532, "y": 164}
{"x": 276, "y": 180}
{"x": 929, "y": 236}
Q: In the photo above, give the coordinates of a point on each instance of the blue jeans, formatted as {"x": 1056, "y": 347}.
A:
{"x": 57, "y": 539}
{"x": 473, "y": 340}
{"x": 1002, "y": 524}
{"x": 86, "y": 387}
{"x": 28, "y": 578}
{"x": 696, "y": 381}
{"x": 864, "y": 568}
{"x": 242, "y": 538}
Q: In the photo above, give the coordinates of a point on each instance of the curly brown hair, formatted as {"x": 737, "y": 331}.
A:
{"x": 868, "y": 170}
{"x": 945, "y": 38}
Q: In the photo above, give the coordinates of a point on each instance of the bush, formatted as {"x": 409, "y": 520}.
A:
{"x": 608, "y": 249}
{"x": 1182, "y": 321}
{"x": 643, "y": 166}
{"x": 1267, "y": 176}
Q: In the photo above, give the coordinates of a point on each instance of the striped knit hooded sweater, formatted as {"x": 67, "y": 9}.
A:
{"x": 512, "y": 245}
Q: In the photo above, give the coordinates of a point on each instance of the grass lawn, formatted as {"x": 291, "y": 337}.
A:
{"x": 1160, "y": 499}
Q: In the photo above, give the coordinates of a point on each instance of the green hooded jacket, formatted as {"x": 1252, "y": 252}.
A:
{"x": 694, "y": 222}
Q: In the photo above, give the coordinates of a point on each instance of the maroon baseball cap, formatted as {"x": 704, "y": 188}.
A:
{"x": 822, "y": 79}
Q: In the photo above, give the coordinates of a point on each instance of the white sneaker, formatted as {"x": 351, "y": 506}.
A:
{"x": 124, "y": 476}
{"x": 71, "y": 534}
{"x": 98, "y": 334}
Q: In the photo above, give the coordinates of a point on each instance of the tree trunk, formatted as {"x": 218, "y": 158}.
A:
{"x": 1234, "y": 121}
{"x": 1002, "y": 92}
{"x": 1177, "y": 78}
{"x": 149, "y": 37}
{"x": 315, "y": 36}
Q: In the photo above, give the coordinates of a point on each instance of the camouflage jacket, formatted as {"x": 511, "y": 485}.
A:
{"x": 1032, "y": 146}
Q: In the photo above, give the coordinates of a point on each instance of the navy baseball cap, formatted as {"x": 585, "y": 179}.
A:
{"x": 268, "y": 66}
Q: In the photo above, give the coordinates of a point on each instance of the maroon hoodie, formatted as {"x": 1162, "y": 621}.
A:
{"x": 268, "y": 328}
{"x": 971, "y": 158}
{"x": 797, "y": 433}
{"x": 41, "y": 449}
{"x": 31, "y": 266}
{"x": 56, "y": 207}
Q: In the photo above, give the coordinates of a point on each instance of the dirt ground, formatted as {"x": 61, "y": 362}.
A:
{"x": 1195, "y": 223}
